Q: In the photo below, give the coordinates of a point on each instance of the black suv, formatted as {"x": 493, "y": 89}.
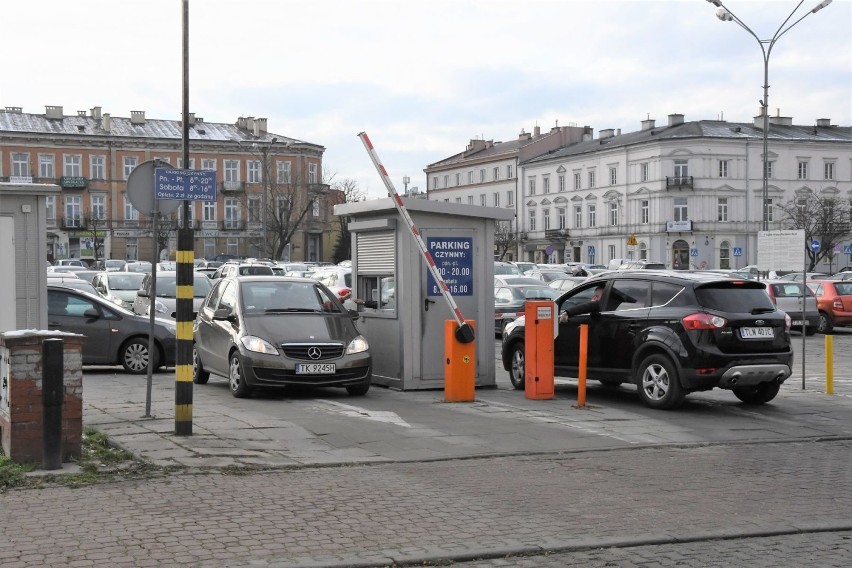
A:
{"x": 670, "y": 333}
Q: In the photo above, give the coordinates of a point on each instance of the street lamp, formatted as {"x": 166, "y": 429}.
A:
{"x": 766, "y": 45}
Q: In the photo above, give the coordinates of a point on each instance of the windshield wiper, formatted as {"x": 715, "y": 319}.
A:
{"x": 291, "y": 310}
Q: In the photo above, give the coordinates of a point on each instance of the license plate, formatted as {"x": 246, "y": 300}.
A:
{"x": 757, "y": 333}
{"x": 314, "y": 368}
{"x": 798, "y": 322}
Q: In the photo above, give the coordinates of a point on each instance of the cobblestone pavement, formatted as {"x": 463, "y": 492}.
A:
{"x": 658, "y": 506}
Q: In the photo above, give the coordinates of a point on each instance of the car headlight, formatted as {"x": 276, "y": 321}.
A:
{"x": 357, "y": 345}
{"x": 258, "y": 345}
{"x": 160, "y": 307}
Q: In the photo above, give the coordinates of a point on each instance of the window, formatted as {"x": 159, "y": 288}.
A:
{"x": 470, "y": 200}
{"x": 99, "y": 207}
{"x": 769, "y": 169}
{"x": 97, "y": 167}
{"x": 209, "y": 247}
{"x": 446, "y": 181}
{"x": 283, "y": 204}
{"x": 803, "y": 170}
{"x": 130, "y": 212}
{"x": 769, "y": 210}
{"x": 312, "y": 173}
{"x": 577, "y": 180}
{"x": 613, "y": 176}
{"x": 232, "y": 213}
{"x": 681, "y": 212}
{"x": 208, "y": 211}
{"x": 532, "y": 186}
{"x": 254, "y": 209}
{"x": 509, "y": 172}
{"x": 645, "y": 211}
{"x": 470, "y": 177}
{"x": 560, "y": 214}
{"x": 232, "y": 246}
{"x": 315, "y": 208}
{"x": 131, "y": 248}
{"x": 593, "y": 216}
{"x": 50, "y": 206}
{"x": 828, "y": 171}
{"x": 20, "y": 164}
{"x": 532, "y": 221}
{"x": 725, "y": 255}
{"x": 496, "y": 199}
{"x": 681, "y": 168}
{"x": 483, "y": 200}
{"x": 496, "y": 174}
{"x": 458, "y": 200}
{"x": 458, "y": 180}
{"x": 208, "y": 164}
{"x": 435, "y": 182}
{"x": 180, "y": 162}
{"x": 723, "y": 168}
{"x": 643, "y": 169}
{"x": 545, "y": 184}
{"x": 129, "y": 165}
{"x": 592, "y": 179}
{"x": 283, "y": 172}
{"x": 510, "y": 198}
{"x": 482, "y": 176}
{"x": 611, "y": 251}
{"x": 73, "y": 165}
{"x": 561, "y": 183}
{"x": 73, "y": 215}
{"x": 722, "y": 209}
{"x": 613, "y": 213}
{"x": 578, "y": 217}
{"x": 253, "y": 171}
{"x": 643, "y": 252}
{"x": 46, "y": 167}
{"x": 545, "y": 216}
{"x": 232, "y": 170}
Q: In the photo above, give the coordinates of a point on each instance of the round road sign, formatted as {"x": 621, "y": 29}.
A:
{"x": 140, "y": 189}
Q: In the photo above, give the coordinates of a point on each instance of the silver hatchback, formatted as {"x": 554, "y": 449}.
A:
{"x": 787, "y": 295}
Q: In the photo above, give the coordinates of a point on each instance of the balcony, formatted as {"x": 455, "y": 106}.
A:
{"x": 556, "y": 234}
{"x": 232, "y": 186}
{"x": 233, "y": 225}
{"x": 70, "y": 222}
{"x": 679, "y": 182}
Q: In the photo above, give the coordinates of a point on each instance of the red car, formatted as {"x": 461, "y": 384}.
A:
{"x": 834, "y": 301}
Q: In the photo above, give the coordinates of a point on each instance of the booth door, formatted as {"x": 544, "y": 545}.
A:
{"x": 464, "y": 271}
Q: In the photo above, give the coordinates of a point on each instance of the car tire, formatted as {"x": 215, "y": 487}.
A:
{"x": 237, "y": 377}
{"x": 134, "y": 356}
{"x": 758, "y": 394}
{"x": 357, "y": 390}
{"x": 200, "y": 376}
{"x": 825, "y": 324}
{"x": 516, "y": 367}
{"x": 658, "y": 383}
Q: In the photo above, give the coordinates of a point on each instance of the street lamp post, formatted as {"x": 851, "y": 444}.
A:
{"x": 766, "y": 45}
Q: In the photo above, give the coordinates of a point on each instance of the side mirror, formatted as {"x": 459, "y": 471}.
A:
{"x": 223, "y": 314}
{"x": 142, "y": 293}
{"x": 354, "y": 315}
{"x": 91, "y": 313}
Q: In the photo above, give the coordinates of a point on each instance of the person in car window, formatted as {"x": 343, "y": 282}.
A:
{"x": 593, "y": 305}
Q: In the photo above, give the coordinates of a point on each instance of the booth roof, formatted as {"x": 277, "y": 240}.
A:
{"x": 425, "y": 206}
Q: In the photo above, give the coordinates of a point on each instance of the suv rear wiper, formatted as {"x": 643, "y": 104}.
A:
{"x": 762, "y": 310}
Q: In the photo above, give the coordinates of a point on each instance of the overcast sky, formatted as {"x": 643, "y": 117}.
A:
{"x": 423, "y": 77}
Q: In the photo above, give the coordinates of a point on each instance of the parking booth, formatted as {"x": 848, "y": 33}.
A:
{"x": 404, "y": 323}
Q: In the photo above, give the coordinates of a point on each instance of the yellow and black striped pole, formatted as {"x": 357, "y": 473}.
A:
{"x": 183, "y": 338}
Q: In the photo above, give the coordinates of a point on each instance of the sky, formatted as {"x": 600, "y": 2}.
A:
{"x": 424, "y": 77}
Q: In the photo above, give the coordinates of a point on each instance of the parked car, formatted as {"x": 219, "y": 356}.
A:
{"x": 119, "y": 287}
{"x": 847, "y": 275}
{"x": 670, "y": 333}
{"x": 547, "y": 275}
{"x": 566, "y": 283}
{"x": 510, "y": 301}
{"x": 512, "y": 280}
{"x": 167, "y": 265}
{"x": 113, "y": 265}
{"x": 241, "y": 269}
{"x": 275, "y": 332}
{"x": 336, "y": 278}
{"x": 114, "y": 336}
{"x": 506, "y": 268}
{"x": 798, "y": 276}
{"x": 787, "y": 295}
{"x": 642, "y": 265}
{"x": 165, "y": 303}
{"x": 70, "y": 262}
{"x": 66, "y": 268}
{"x": 524, "y": 266}
{"x": 834, "y": 301}
{"x": 137, "y": 266}
{"x": 70, "y": 280}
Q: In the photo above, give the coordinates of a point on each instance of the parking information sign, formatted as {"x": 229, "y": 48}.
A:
{"x": 781, "y": 250}
{"x": 453, "y": 258}
{"x": 192, "y": 185}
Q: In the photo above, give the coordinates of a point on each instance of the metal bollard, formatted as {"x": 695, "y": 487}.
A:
{"x": 52, "y": 395}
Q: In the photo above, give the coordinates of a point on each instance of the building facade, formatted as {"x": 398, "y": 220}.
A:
{"x": 265, "y": 182}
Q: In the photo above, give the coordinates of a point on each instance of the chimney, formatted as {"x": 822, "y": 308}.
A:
{"x": 475, "y": 146}
{"x": 137, "y": 117}
{"x": 82, "y": 113}
{"x": 190, "y": 119}
{"x": 53, "y": 112}
{"x": 96, "y": 113}
{"x": 824, "y": 122}
{"x": 536, "y": 131}
{"x": 241, "y": 122}
{"x": 524, "y": 136}
{"x": 105, "y": 123}
{"x": 675, "y": 119}
{"x": 618, "y": 132}
{"x": 648, "y": 123}
{"x": 13, "y": 110}
{"x": 779, "y": 120}
{"x": 605, "y": 133}
{"x": 259, "y": 126}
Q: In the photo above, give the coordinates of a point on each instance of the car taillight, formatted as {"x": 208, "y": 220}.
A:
{"x": 703, "y": 321}
{"x": 837, "y": 304}
{"x": 788, "y": 321}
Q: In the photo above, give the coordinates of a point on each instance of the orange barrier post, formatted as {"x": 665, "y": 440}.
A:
{"x": 584, "y": 357}
{"x": 459, "y": 365}
{"x": 538, "y": 349}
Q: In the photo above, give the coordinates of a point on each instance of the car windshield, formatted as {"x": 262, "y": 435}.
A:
{"x": 286, "y": 297}
{"x": 126, "y": 281}
{"x": 166, "y": 286}
{"x": 526, "y": 293}
{"x": 736, "y": 296}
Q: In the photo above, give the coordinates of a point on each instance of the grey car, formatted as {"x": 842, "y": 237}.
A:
{"x": 165, "y": 304}
{"x": 114, "y": 336}
{"x": 787, "y": 295}
{"x": 119, "y": 287}
{"x": 272, "y": 331}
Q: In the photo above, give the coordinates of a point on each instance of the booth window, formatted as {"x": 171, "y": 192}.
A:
{"x": 376, "y": 266}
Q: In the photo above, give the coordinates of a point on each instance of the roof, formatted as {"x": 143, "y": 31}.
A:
{"x": 703, "y": 129}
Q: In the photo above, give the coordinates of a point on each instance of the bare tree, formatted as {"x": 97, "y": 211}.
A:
{"x": 97, "y": 227}
{"x": 823, "y": 218}
{"x": 505, "y": 238}
{"x": 347, "y": 192}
